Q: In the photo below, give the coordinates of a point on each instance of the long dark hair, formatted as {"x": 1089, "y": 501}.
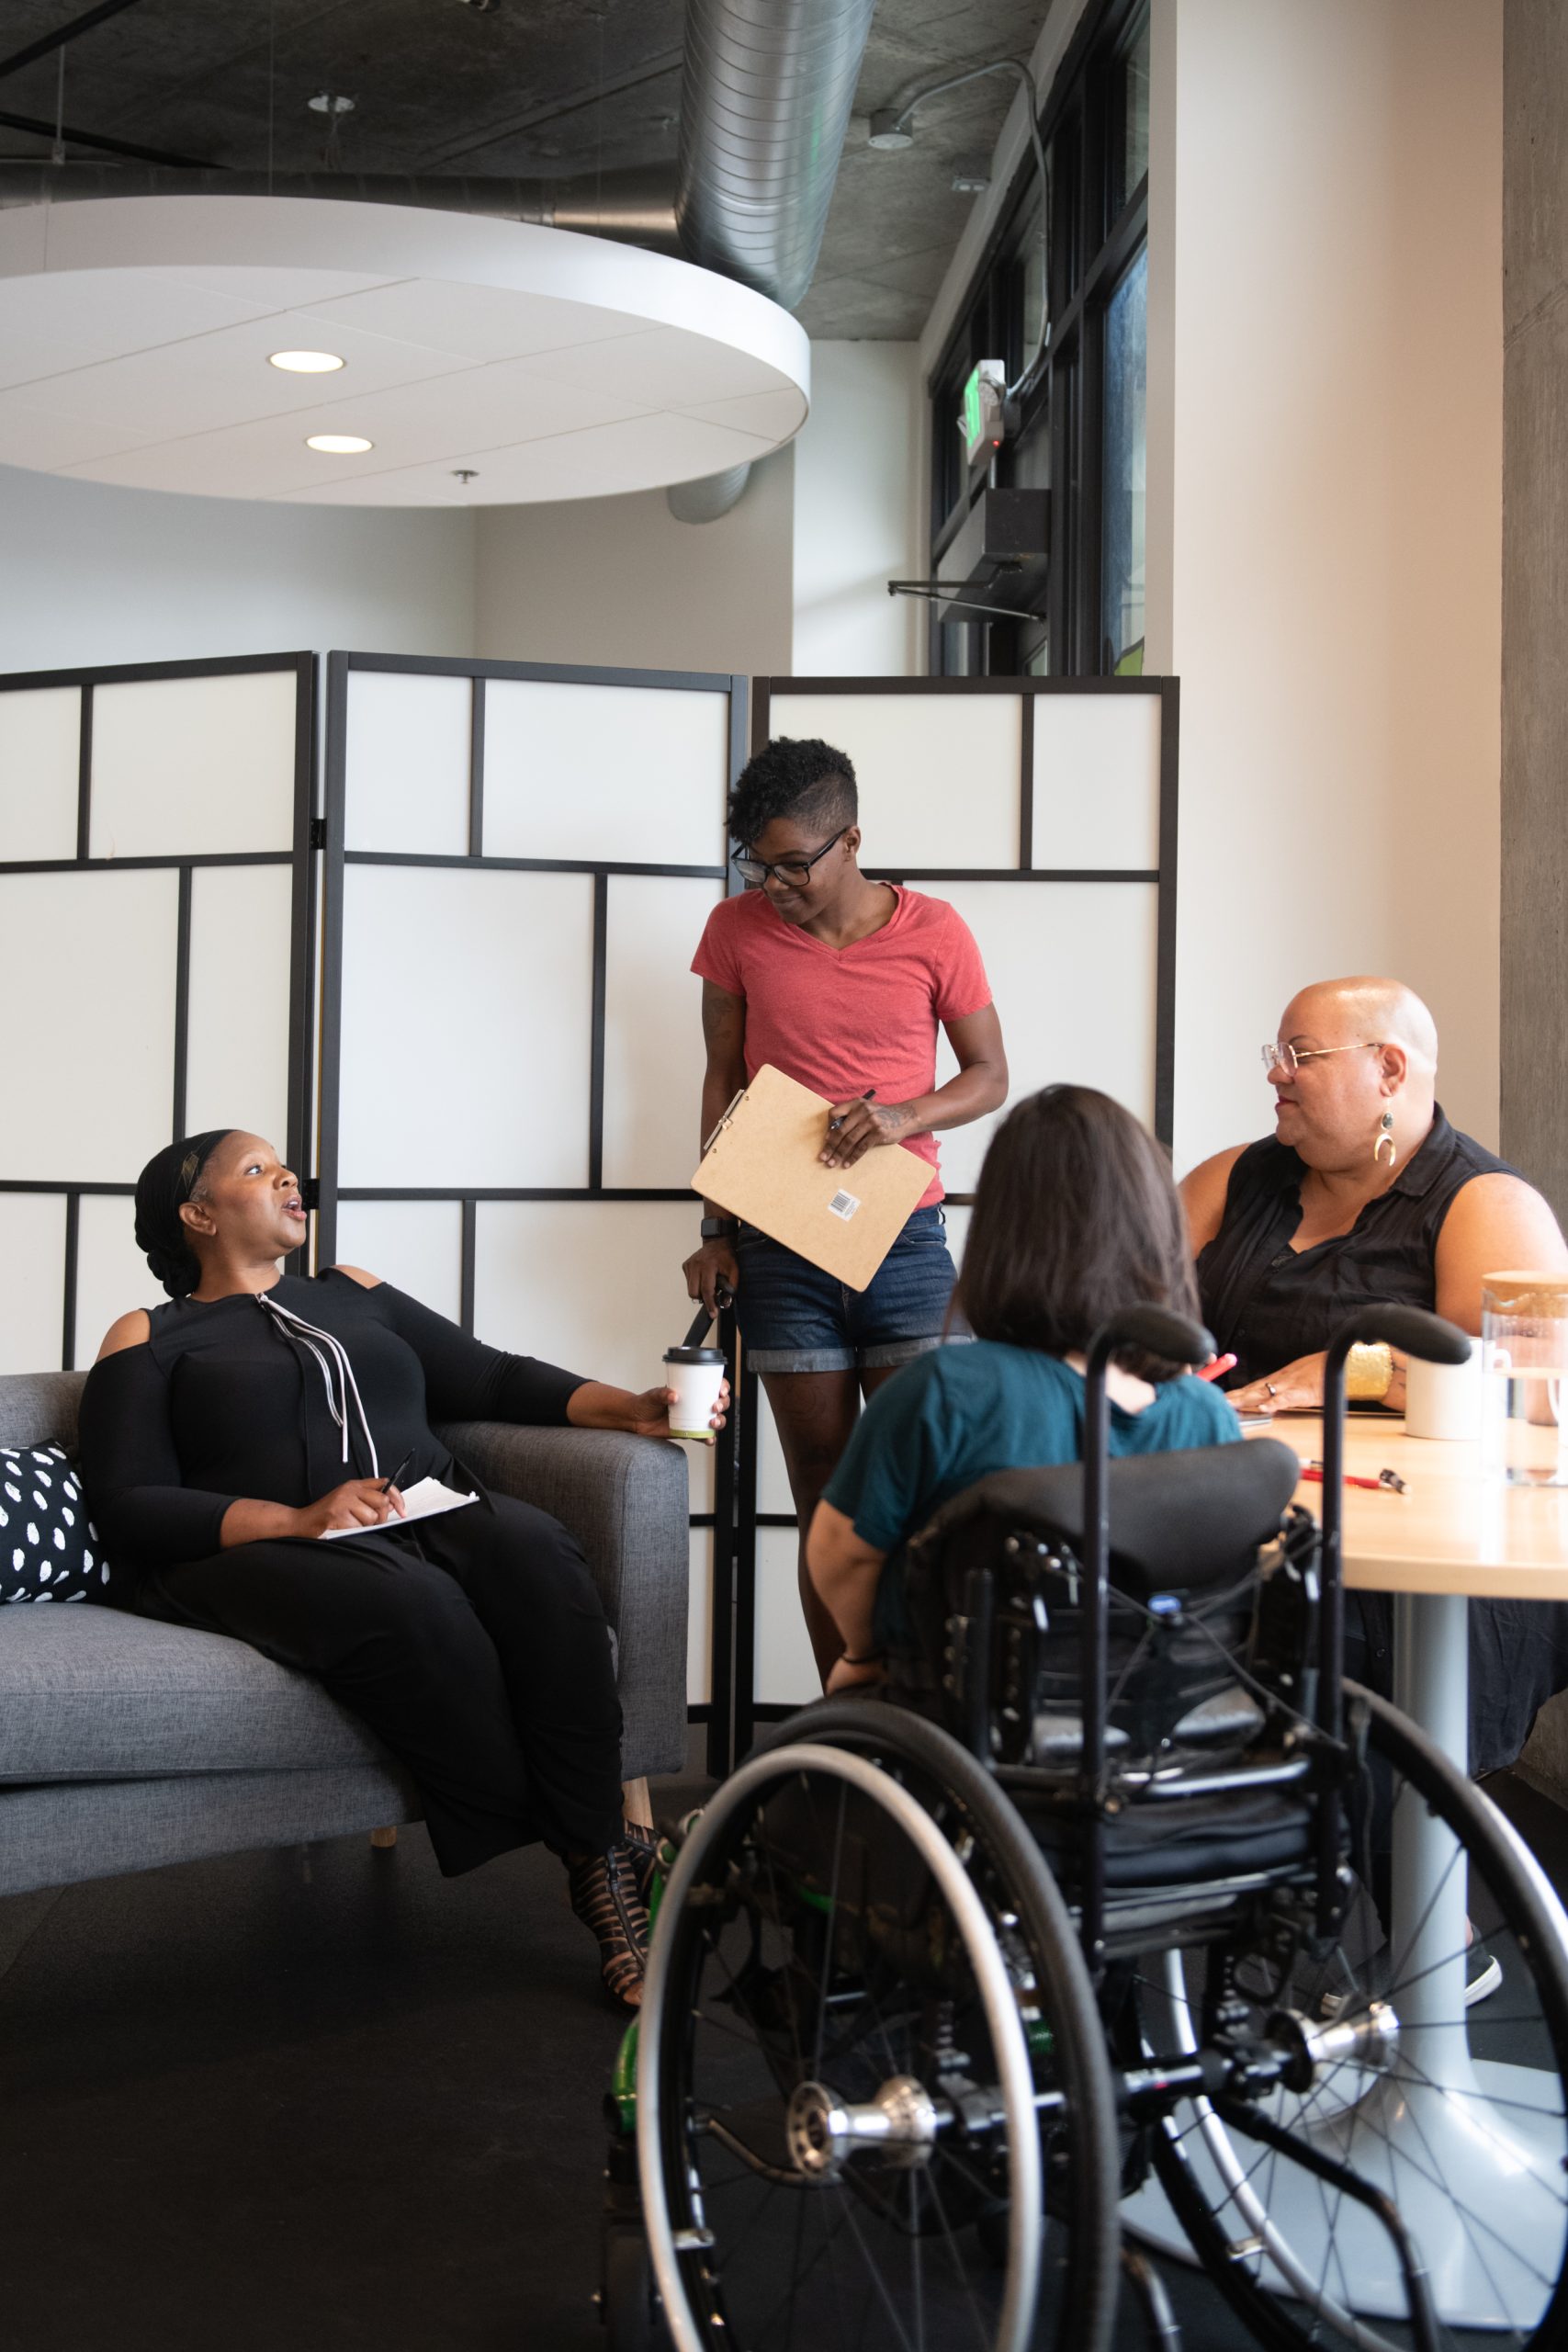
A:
{"x": 1075, "y": 1215}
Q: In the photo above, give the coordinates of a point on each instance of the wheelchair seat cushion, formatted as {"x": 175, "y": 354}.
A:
{"x": 1188, "y": 1841}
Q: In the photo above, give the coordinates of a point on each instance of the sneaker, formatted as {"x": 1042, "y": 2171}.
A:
{"x": 1483, "y": 1973}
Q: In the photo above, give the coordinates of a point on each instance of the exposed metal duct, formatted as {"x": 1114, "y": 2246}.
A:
{"x": 764, "y": 106}
{"x": 634, "y": 206}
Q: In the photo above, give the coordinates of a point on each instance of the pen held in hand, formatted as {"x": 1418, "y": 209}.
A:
{"x": 869, "y": 1096}
{"x": 404, "y": 1466}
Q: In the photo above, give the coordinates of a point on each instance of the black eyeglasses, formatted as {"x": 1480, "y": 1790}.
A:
{"x": 793, "y": 872}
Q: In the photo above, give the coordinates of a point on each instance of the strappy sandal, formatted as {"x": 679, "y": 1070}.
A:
{"x": 603, "y": 1892}
{"x": 642, "y": 1852}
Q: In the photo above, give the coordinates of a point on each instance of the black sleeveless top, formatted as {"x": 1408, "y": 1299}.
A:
{"x": 1270, "y": 1304}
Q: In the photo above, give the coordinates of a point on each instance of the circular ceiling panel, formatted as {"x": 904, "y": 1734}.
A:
{"x": 483, "y": 361}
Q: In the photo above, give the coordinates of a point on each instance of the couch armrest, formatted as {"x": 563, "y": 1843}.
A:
{"x": 624, "y": 1499}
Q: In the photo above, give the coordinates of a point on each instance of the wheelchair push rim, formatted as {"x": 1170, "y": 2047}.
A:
{"x": 1460, "y": 2117}
{"x": 839, "y": 2158}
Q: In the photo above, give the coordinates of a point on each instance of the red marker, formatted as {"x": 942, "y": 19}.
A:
{"x": 1216, "y": 1368}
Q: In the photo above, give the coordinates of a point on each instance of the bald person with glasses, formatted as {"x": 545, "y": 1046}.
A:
{"x": 1363, "y": 1192}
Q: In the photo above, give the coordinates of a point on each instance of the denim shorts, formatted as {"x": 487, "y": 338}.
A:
{"x": 794, "y": 1318}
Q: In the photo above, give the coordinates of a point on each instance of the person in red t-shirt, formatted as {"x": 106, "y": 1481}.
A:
{"x": 840, "y": 982}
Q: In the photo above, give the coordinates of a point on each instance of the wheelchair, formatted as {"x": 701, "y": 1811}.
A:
{"x": 1123, "y": 1921}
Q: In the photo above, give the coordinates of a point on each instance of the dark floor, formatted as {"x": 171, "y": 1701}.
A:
{"x": 320, "y": 2097}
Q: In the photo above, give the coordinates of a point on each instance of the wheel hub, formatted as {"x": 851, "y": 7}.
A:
{"x": 823, "y": 2132}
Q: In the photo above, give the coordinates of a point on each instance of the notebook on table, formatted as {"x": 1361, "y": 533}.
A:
{"x": 761, "y": 1164}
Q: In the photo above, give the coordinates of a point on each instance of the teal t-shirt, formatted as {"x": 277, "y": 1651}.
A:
{"x": 958, "y": 1413}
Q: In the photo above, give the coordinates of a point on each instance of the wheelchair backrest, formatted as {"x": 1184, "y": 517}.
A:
{"x": 1187, "y": 1530}
{"x": 1180, "y": 1522}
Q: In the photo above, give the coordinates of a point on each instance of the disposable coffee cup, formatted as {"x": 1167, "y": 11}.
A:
{"x": 1443, "y": 1400}
{"x": 697, "y": 1375}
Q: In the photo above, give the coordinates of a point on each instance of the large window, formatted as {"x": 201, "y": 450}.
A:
{"x": 1080, "y": 430}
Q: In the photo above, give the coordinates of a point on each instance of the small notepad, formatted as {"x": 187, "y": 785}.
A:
{"x": 428, "y": 1499}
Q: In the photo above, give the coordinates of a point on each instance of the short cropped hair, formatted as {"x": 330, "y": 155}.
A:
{"x": 1076, "y": 1216}
{"x": 793, "y": 776}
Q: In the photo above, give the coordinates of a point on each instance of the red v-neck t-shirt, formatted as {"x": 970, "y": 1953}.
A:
{"x": 842, "y": 1019}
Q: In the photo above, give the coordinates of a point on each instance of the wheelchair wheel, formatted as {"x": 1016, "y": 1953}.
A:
{"x": 1457, "y": 2114}
{"x": 874, "y": 2102}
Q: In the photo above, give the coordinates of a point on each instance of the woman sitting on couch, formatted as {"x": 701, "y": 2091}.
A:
{"x": 226, "y": 1433}
{"x": 1076, "y": 1216}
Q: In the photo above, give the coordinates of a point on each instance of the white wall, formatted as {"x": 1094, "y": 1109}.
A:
{"x": 1326, "y": 519}
{"x": 859, "y": 517}
{"x": 92, "y": 574}
{"x": 619, "y": 581}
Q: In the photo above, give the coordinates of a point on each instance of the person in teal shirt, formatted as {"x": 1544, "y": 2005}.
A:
{"x": 1076, "y": 1216}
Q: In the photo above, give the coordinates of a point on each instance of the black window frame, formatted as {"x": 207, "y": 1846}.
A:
{"x": 1081, "y": 126}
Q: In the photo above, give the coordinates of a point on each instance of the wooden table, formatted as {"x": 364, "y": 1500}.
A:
{"x": 1453, "y": 1535}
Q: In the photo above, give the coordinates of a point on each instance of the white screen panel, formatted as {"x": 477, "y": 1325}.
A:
{"x": 1072, "y": 971}
{"x": 957, "y": 1230}
{"x": 467, "y": 1023}
{"x": 87, "y": 963}
{"x": 939, "y": 775}
{"x": 417, "y": 1245}
{"x": 237, "y": 1048}
{"x": 699, "y": 1620}
{"x": 407, "y": 763}
{"x": 39, "y": 751}
{"x": 35, "y": 1282}
{"x": 1096, "y": 780}
{"x": 193, "y": 766}
{"x": 595, "y": 1285}
{"x": 653, "y": 1034}
{"x": 112, "y": 1275}
{"x": 636, "y": 773}
{"x": 786, "y": 1670}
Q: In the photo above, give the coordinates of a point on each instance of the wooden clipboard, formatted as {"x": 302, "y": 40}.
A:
{"x": 761, "y": 1164}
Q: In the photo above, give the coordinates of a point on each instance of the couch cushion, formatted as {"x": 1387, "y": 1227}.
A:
{"x": 91, "y": 1693}
{"x": 40, "y": 1409}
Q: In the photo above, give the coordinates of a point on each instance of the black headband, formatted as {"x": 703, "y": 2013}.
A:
{"x": 170, "y": 1177}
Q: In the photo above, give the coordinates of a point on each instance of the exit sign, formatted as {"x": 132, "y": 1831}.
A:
{"x": 980, "y": 419}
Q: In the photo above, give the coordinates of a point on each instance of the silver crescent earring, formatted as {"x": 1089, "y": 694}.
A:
{"x": 1385, "y": 1141}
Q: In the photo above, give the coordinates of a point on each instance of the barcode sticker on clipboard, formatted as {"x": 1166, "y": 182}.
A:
{"x": 843, "y": 1204}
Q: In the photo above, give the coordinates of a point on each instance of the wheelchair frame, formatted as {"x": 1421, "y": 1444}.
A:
{"x": 1296, "y": 2051}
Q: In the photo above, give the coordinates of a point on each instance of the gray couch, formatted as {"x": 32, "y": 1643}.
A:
{"x": 125, "y": 1742}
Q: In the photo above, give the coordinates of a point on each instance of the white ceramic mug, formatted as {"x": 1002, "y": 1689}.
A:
{"x": 697, "y": 1374}
{"x": 1443, "y": 1400}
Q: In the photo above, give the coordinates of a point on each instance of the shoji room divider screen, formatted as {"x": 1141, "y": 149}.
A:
{"x": 155, "y": 920}
{"x": 1045, "y": 810}
{"x": 515, "y": 864}
{"x": 519, "y": 864}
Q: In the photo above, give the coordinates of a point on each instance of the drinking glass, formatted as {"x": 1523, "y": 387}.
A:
{"x": 1524, "y": 1345}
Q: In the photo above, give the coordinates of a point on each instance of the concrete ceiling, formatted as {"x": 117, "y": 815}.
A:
{"x": 525, "y": 87}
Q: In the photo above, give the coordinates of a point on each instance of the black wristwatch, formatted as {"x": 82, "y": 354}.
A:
{"x": 720, "y": 1228}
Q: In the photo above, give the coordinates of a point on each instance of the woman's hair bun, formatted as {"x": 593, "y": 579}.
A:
{"x": 169, "y": 1179}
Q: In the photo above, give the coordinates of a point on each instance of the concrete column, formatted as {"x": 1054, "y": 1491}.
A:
{"x": 1535, "y": 595}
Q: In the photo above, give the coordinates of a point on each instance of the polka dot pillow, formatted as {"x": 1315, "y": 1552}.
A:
{"x": 48, "y": 1547}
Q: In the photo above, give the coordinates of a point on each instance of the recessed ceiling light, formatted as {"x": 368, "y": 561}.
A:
{"x": 338, "y": 445}
{"x": 305, "y": 363}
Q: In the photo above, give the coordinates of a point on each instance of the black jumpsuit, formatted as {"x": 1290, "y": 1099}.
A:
{"x": 473, "y": 1645}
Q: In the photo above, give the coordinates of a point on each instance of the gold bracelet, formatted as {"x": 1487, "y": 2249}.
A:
{"x": 1369, "y": 1372}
